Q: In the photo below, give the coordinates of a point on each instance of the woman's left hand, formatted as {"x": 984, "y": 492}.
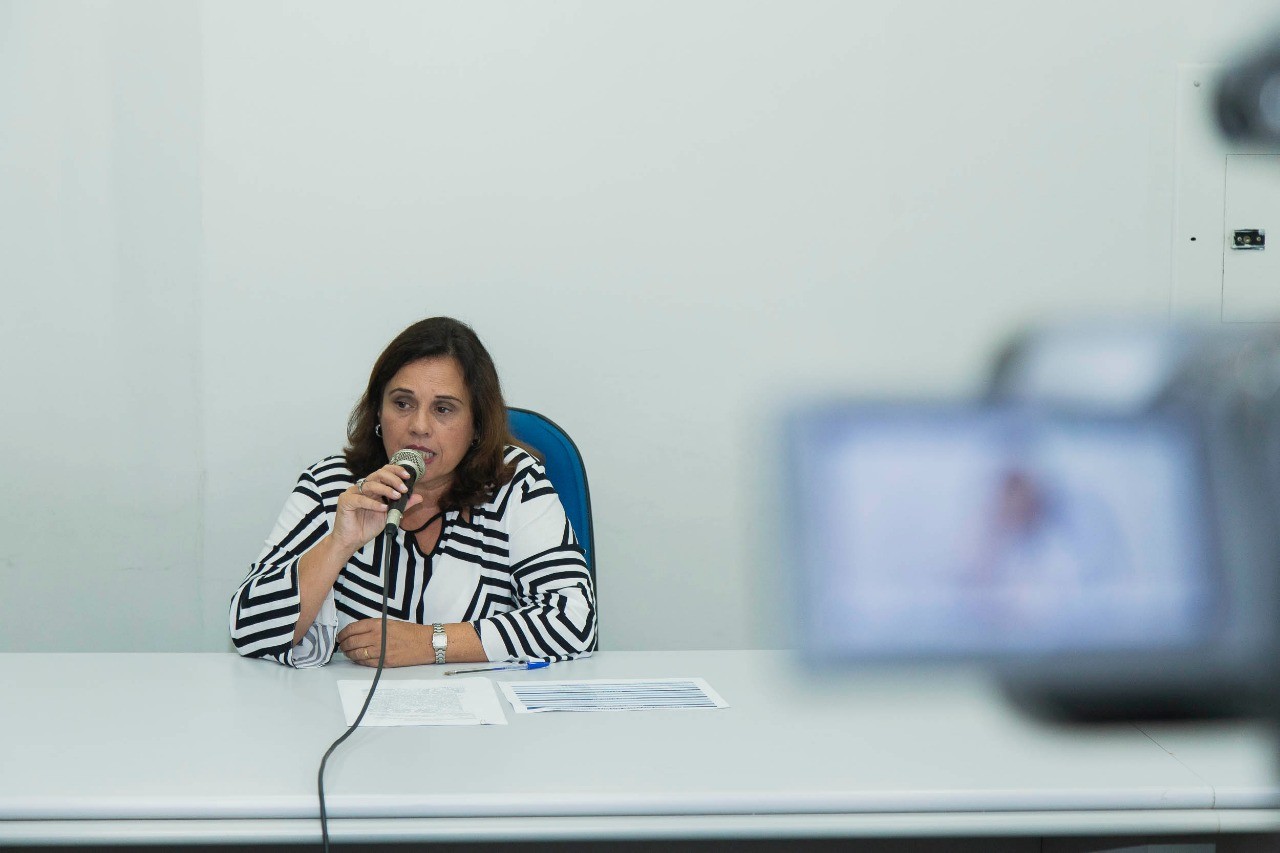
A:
{"x": 408, "y": 644}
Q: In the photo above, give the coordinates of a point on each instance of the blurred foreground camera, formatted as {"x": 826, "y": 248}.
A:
{"x": 1102, "y": 530}
{"x": 1248, "y": 98}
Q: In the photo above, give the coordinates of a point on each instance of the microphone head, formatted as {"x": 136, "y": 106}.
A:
{"x": 411, "y": 459}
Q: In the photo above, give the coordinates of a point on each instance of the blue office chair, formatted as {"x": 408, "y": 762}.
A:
{"x": 565, "y": 470}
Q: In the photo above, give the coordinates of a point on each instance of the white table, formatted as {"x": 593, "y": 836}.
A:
{"x": 211, "y": 747}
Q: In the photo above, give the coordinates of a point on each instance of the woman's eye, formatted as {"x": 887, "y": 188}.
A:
{"x": 444, "y": 410}
{"x": 401, "y": 404}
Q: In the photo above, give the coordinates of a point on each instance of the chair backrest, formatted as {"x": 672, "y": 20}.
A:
{"x": 565, "y": 470}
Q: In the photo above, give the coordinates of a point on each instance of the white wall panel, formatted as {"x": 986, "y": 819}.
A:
{"x": 100, "y": 253}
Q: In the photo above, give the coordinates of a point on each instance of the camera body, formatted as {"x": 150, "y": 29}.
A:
{"x": 1224, "y": 384}
{"x": 1102, "y": 530}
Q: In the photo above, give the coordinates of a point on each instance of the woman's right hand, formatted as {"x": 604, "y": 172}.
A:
{"x": 362, "y": 509}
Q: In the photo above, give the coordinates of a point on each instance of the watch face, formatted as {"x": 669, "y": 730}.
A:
{"x": 439, "y": 641}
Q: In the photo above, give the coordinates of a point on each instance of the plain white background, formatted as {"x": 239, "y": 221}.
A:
{"x": 668, "y": 221}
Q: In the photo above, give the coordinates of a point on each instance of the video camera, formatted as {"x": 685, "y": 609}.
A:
{"x": 1102, "y": 530}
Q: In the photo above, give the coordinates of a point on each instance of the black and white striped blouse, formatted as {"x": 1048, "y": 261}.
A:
{"x": 515, "y": 571}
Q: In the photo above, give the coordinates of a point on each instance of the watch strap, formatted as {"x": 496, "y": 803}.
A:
{"x": 439, "y": 641}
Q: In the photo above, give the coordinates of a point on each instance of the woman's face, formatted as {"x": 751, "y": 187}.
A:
{"x": 426, "y": 407}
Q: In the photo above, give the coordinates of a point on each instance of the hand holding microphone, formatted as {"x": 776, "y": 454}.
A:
{"x": 412, "y": 465}
{"x": 378, "y": 502}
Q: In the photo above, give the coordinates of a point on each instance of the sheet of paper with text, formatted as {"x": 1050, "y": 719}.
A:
{"x": 422, "y": 702}
{"x": 610, "y": 694}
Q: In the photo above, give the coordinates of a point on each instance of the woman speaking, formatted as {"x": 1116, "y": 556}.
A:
{"x": 483, "y": 566}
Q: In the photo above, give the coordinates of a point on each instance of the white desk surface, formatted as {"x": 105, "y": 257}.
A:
{"x": 212, "y": 747}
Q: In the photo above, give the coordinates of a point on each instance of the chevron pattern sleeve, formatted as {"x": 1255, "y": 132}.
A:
{"x": 554, "y": 613}
{"x": 265, "y": 608}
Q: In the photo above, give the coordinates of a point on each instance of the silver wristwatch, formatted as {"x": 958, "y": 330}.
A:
{"x": 439, "y": 641}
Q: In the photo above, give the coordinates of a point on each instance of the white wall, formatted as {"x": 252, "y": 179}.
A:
{"x": 666, "y": 219}
{"x": 100, "y": 264}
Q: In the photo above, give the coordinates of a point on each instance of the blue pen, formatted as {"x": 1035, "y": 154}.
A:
{"x": 529, "y": 664}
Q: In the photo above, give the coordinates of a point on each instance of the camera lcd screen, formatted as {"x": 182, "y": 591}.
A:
{"x": 987, "y": 533}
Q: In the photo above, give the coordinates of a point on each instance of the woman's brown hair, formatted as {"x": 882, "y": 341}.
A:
{"x": 482, "y": 470}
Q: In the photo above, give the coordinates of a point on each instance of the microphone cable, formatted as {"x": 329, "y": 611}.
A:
{"x": 382, "y": 659}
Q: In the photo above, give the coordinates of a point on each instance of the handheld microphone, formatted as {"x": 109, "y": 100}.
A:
{"x": 411, "y": 461}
